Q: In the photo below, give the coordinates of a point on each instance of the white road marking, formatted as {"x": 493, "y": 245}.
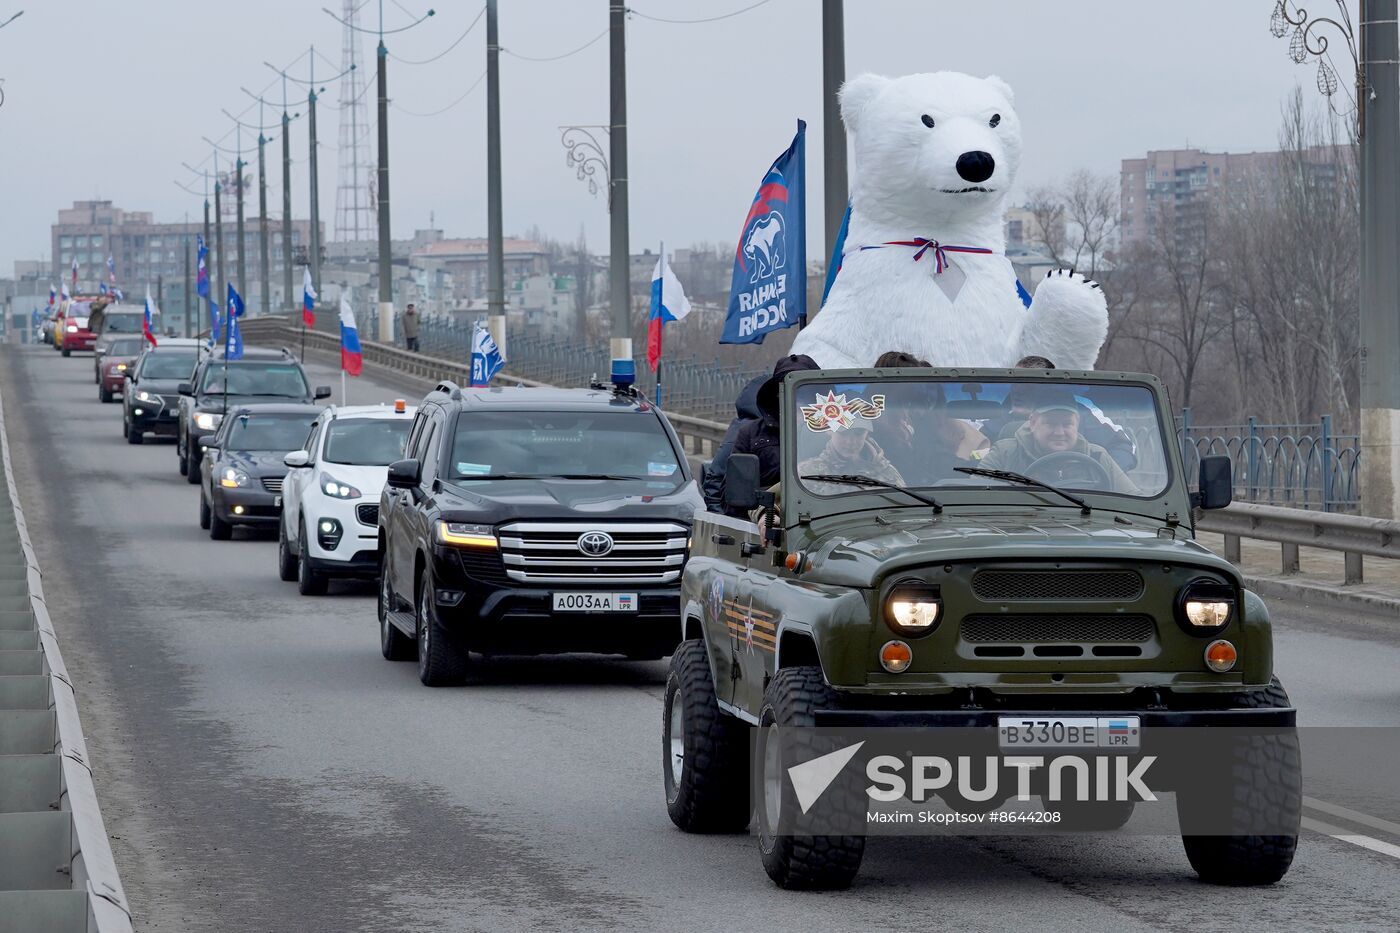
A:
{"x": 1356, "y": 839}
{"x": 1374, "y": 822}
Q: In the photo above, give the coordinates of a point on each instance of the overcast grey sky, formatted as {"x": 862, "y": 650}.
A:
{"x": 107, "y": 98}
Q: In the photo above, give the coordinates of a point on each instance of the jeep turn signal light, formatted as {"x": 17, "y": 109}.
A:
{"x": 1221, "y": 656}
{"x": 895, "y": 656}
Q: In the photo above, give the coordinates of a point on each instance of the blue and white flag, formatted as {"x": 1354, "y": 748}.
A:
{"x": 233, "y": 340}
{"x": 486, "y": 357}
{"x": 202, "y": 286}
{"x": 102, "y": 288}
{"x": 769, "y": 288}
{"x": 147, "y": 327}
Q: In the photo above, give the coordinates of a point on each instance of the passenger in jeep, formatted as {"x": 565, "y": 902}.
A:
{"x": 1053, "y": 428}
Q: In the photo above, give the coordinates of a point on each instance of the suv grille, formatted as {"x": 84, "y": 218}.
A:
{"x": 272, "y": 483}
{"x": 549, "y": 552}
{"x": 1058, "y": 629}
{"x": 1087, "y": 585}
{"x": 368, "y": 513}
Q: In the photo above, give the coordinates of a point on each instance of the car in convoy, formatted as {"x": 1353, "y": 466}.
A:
{"x": 1017, "y": 592}
{"x": 111, "y": 321}
{"x": 218, "y": 386}
{"x": 151, "y": 397}
{"x": 244, "y": 465}
{"x": 71, "y": 330}
{"x": 533, "y": 521}
{"x": 330, "y": 498}
{"x": 117, "y": 363}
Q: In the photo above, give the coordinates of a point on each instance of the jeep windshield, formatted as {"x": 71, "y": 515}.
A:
{"x": 564, "y": 444}
{"x": 1080, "y": 437}
{"x": 269, "y": 380}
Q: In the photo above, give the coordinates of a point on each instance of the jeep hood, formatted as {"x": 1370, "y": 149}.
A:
{"x": 858, "y": 556}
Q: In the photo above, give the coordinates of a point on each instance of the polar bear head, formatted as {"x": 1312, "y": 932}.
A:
{"x": 933, "y": 152}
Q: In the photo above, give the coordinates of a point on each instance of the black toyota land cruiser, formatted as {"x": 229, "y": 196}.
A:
{"x": 533, "y": 521}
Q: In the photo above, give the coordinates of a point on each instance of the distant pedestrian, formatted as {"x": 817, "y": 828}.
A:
{"x": 410, "y": 328}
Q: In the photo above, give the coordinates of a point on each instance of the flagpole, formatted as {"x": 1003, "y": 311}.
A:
{"x": 344, "y": 400}
{"x": 661, "y": 328}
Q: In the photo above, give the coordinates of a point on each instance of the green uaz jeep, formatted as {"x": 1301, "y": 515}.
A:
{"x": 1007, "y": 550}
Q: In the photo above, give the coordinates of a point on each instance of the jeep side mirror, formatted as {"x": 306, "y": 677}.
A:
{"x": 405, "y": 474}
{"x": 323, "y": 392}
{"x": 185, "y": 389}
{"x": 297, "y": 459}
{"x": 1217, "y": 483}
{"x": 741, "y": 482}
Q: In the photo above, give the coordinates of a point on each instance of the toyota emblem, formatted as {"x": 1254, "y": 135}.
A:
{"x": 595, "y": 543}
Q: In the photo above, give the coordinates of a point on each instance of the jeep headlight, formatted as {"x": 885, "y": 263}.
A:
{"x": 465, "y": 535}
{"x": 338, "y": 490}
{"x": 1205, "y": 607}
{"x": 207, "y": 420}
{"x": 233, "y": 479}
{"x": 913, "y": 608}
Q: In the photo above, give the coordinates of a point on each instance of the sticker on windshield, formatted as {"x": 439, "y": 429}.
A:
{"x": 833, "y": 412}
{"x": 473, "y": 469}
{"x": 660, "y": 469}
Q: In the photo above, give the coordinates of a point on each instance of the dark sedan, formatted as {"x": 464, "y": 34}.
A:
{"x": 243, "y": 468}
{"x": 151, "y": 396}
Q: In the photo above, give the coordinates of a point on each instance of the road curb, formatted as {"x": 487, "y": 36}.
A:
{"x": 1328, "y": 595}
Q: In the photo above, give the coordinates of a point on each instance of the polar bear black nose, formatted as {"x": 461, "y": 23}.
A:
{"x": 976, "y": 167}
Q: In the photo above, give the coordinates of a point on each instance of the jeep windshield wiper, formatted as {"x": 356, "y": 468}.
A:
{"x": 857, "y": 479}
{"x": 1021, "y": 479}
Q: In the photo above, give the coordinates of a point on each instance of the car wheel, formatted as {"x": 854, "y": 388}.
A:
{"x": 1265, "y": 777}
{"x": 104, "y": 396}
{"x": 205, "y": 513}
{"x": 440, "y": 664}
{"x": 393, "y": 644}
{"x": 192, "y": 470}
{"x": 286, "y": 560}
{"x": 704, "y": 753}
{"x": 182, "y": 462}
{"x": 134, "y": 435}
{"x": 803, "y": 860}
{"x": 66, "y": 352}
{"x": 309, "y": 581}
{"x": 219, "y": 529}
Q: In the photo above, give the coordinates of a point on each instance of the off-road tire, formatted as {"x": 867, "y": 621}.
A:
{"x": 204, "y": 512}
{"x": 393, "y": 644}
{"x": 802, "y": 861}
{"x": 1267, "y": 778}
{"x": 712, "y": 792}
{"x": 286, "y": 560}
{"x": 310, "y": 582}
{"x": 440, "y": 663}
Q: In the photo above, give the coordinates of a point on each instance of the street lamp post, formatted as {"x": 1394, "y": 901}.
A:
{"x": 495, "y": 232}
{"x": 624, "y": 367}
{"x": 833, "y": 133}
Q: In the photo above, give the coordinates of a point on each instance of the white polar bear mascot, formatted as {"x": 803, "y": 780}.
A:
{"x": 924, "y": 268}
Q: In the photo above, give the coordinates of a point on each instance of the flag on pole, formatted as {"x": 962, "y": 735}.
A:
{"x": 215, "y": 325}
{"x": 769, "y": 287}
{"x": 64, "y": 292}
{"x": 102, "y": 287}
{"x": 117, "y": 293}
{"x": 233, "y": 340}
{"x": 53, "y": 294}
{"x": 202, "y": 282}
{"x": 308, "y": 298}
{"x": 111, "y": 271}
{"x": 146, "y": 329}
{"x": 350, "y": 359}
{"x": 75, "y": 272}
{"x": 668, "y": 303}
{"x": 486, "y": 357}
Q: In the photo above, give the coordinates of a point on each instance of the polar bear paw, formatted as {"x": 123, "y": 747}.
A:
{"x": 1068, "y": 320}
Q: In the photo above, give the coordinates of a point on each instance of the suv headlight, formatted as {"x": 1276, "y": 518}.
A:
{"x": 143, "y": 396}
{"x": 913, "y": 608}
{"x": 464, "y": 535}
{"x": 338, "y": 490}
{"x": 229, "y": 478}
{"x": 208, "y": 420}
{"x": 1205, "y": 607}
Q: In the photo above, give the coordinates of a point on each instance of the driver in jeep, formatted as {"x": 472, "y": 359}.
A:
{"x": 1053, "y": 431}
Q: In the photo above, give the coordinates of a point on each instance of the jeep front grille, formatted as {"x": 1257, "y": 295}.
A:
{"x": 1086, "y": 585}
{"x": 548, "y": 552}
{"x": 1058, "y": 635}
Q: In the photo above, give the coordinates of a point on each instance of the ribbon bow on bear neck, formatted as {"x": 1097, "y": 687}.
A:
{"x": 924, "y": 244}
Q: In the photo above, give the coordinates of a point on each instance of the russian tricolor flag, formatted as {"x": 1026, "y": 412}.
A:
{"x": 668, "y": 303}
{"x": 308, "y": 300}
{"x": 146, "y": 319}
{"x": 53, "y": 293}
{"x": 350, "y": 359}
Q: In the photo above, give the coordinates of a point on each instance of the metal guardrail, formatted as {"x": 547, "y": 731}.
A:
{"x": 57, "y": 873}
{"x": 1355, "y": 536}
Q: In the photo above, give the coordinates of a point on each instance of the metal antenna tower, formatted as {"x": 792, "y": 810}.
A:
{"x": 354, "y": 193}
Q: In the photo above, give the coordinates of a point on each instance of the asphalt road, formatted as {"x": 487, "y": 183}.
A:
{"x": 261, "y": 767}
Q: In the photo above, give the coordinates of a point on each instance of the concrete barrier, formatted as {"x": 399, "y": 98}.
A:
{"x": 57, "y": 873}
